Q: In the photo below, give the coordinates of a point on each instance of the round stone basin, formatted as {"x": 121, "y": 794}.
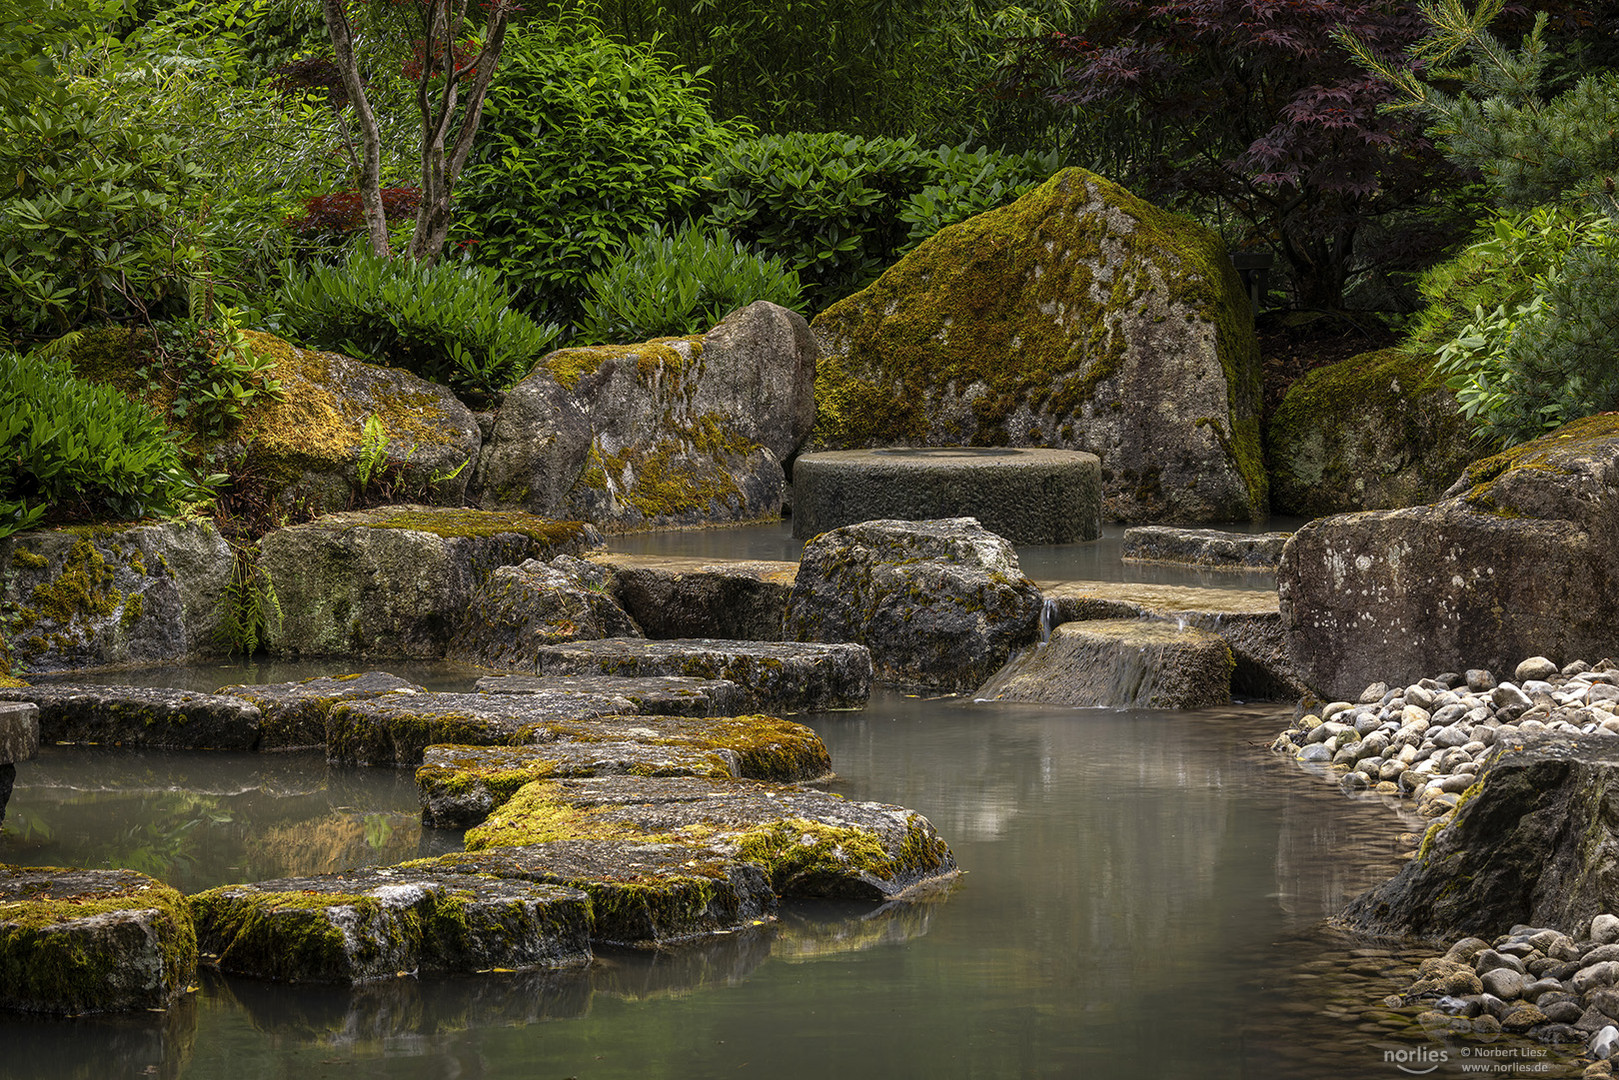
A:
{"x": 1028, "y": 495}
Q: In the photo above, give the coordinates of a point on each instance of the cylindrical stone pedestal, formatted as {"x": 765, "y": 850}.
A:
{"x": 1028, "y": 495}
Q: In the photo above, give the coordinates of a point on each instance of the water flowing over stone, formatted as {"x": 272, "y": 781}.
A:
{"x": 1122, "y": 664}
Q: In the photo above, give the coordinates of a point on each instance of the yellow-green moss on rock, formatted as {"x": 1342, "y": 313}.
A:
{"x": 1079, "y": 317}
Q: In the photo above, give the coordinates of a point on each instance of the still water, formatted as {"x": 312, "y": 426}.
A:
{"x": 1142, "y": 895}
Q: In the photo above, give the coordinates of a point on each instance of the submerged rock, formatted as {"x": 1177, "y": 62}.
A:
{"x": 519, "y": 608}
{"x": 396, "y": 581}
{"x": 1080, "y": 318}
{"x": 1210, "y": 548}
{"x": 89, "y": 941}
{"x": 779, "y": 676}
{"x": 460, "y": 785}
{"x": 1533, "y": 842}
{"x": 641, "y": 894}
{"x": 377, "y": 924}
{"x": 810, "y": 843}
{"x": 1121, "y": 664}
{"x": 662, "y": 695}
{"x": 694, "y": 598}
{"x": 940, "y": 604}
{"x": 1519, "y": 559}
{"x": 115, "y": 596}
{"x": 293, "y": 714}
{"x": 141, "y": 716}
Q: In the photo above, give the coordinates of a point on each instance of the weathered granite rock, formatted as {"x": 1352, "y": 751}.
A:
{"x": 1028, "y": 496}
{"x": 394, "y": 730}
{"x": 940, "y": 604}
{"x": 676, "y": 431}
{"x": 1210, "y": 548}
{"x": 1122, "y": 664}
{"x": 88, "y": 941}
{"x": 1080, "y": 318}
{"x": 19, "y": 731}
{"x": 810, "y": 843}
{"x": 1377, "y": 431}
{"x": 641, "y": 894}
{"x": 461, "y": 785}
{"x": 141, "y": 716}
{"x": 396, "y": 581}
{"x": 1518, "y": 560}
{"x": 376, "y": 924}
{"x": 519, "y": 608}
{"x": 293, "y": 714}
{"x": 782, "y": 677}
{"x": 115, "y": 597}
{"x": 1534, "y": 844}
{"x": 660, "y": 695}
{"x": 1248, "y": 619}
{"x": 697, "y": 598}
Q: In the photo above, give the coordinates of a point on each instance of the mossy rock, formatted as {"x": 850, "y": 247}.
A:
{"x": 377, "y": 924}
{"x": 671, "y": 597}
{"x": 661, "y": 695}
{"x": 1374, "y": 432}
{"x": 117, "y": 595}
{"x": 87, "y": 941}
{"x": 149, "y": 716}
{"x": 293, "y": 715}
{"x": 1079, "y": 318}
{"x": 519, "y": 608}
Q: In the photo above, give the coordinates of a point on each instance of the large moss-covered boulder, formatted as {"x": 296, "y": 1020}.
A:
{"x": 306, "y": 449}
{"x": 1374, "y": 432}
{"x": 89, "y": 941}
{"x": 676, "y": 431}
{"x": 396, "y": 581}
{"x": 1079, "y": 317}
{"x": 940, "y": 604}
{"x": 1519, "y": 559}
{"x": 672, "y": 597}
{"x": 114, "y": 596}
{"x": 1532, "y": 843}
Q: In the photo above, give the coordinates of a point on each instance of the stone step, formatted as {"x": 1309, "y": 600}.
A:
{"x": 1213, "y": 549}
{"x": 782, "y": 677}
{"x": 1121, "y": 664}
{"x": 395, "y": 730}
{"x": 672, "y": 597}
{"x": 665, "y": 695}
{"x": 140, "y": 716}
{"x": 294, "y": 714}
{"x": 89, "y": 941}
{"x": 377, "y": 924}
{"x": 19, "y": 731}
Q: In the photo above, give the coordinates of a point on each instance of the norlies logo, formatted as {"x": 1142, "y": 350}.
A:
{"x": 1417, "y": 1061}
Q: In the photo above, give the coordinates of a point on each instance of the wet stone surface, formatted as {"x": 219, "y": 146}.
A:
{"x": 294, "y": 714}
{"x": 665, "y": 694}
{"x": 141, "y": 716}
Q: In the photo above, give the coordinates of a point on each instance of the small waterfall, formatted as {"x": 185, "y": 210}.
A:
{"x": 1048, "y": 619}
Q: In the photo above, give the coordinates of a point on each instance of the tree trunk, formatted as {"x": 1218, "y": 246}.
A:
{"x": 370, "y": 179}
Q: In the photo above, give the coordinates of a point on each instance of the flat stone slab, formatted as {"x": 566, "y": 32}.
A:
{"x": 1213, "y": 549}
{"x": 357, "y": 927}
{"x": 396, "y": 729}
{"x": 88, "y": 941}
{"x": 673, "y": 597}
{"x": 665, "y": 695}
{"x": 140, "y": 716}
{"x": 810, "y": 843}
{"x": 780, "y": 676}
{"x": 641, "y": 894}
{"x": 1027, "y": 495}
{"x": 461, "y": 785}
{"x": 1249, "y": 620}
{"x": 294, "y": 713}
{"x": 19, "y": 731}
{"x": 1120, "y": 663}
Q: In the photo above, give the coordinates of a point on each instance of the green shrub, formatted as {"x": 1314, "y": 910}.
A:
{"x": 671, "y": 284}
{"x": 970, "y": 182}
{"x": 585, "y": 142}
{"x": 451, "y": 321}
{"x": 80, "y": 451}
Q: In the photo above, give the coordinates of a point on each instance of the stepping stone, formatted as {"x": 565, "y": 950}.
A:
{"x": 782, "y": 677}
{"x": 88, "y": 941}
{"x": 641, "y": 894}
{"x": 665, "y": 695}
{"x": 810, "y": 843}
{"x": 19, "y": 731}
{"x": 396, "y": 729}
{"x": 376, "y": 924}
{"x": 672, "y": 597}
{"x": 140, "y": 716}
{"x": 1121, "y": 664}
{"x": 1212, "y": 549}
{"x": 460, "y": 785}
{"x": 294, "y": 713}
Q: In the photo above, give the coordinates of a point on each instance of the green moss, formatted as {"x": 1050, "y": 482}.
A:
{"x": 796, "y": 849}
{"x": 1554, "y": 453}
{"x": 277, "y": 933}
{"x": 457, "y": 523}
{"x": 28, "y": 560}
{"x": 82, "y": 590}
{"x": 534, "y": 815}
{"x": 568, "y": 366}
{"x": 134, "y": 608}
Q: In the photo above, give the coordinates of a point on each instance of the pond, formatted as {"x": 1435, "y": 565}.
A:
{"x": 1142, "y": 896}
